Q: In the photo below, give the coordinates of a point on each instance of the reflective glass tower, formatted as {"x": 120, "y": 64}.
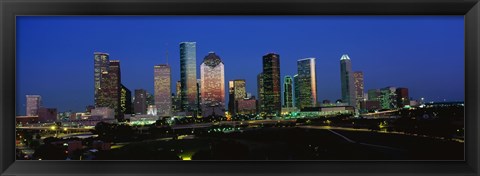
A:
{"x": 212, "y": 84}
{"x": 271, "y": 84}
{"x": 162, "y": 90}
{"x": 307, "y": 83}
{"x": 347, "y": 81}
{"x": 188, "y": 76}
{"x": 288, "y": 92}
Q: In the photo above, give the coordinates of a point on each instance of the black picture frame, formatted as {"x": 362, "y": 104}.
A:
{"x": 9, "y": 9}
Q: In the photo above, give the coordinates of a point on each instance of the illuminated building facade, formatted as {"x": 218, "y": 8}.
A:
{"x": 296, "y": 90}
{"x": 359, "y": 88}
{"x": 33, "y": 104}
{"x": 388, "y": 98}
{"x": 287, "y": 92}
{"x": 101, "y": 63}
{"x": 125, "y": 100}
{"x": 246, "y": 106}
{"x": 347, "y": 81}
{"x": 260, "y": 92}
{"x": 162, "y": 90}
{"x": 140, "y": 103}
{"x": 188, "y": 76}
{"x": 307, "y": 83}
{"x": 237, "y": 91}
{"x": 212, "y": 76}
{"x": 271, "y": 84}
{"x": 108, "y": 95}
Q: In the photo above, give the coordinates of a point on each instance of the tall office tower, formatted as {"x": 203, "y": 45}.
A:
{"x": 271, "y": 84}
{"x": 402, "y": 97}
{"x": 231, "y": 98}
{"x": 212, "y": 86}
{"x": 125, "y": 100}
{"x": 188, "y": 76}
{"x": 33, "y": 104}
{"x": 359, "y": 91}
{"x": 296, "y": 89}
{"x": 237, "y": 91}
{"x": 177, "y": 100}
{"x": 287, "y": 92}
{"x": 307, "y": 83}
{"x": 260, "y": 92}
{"x": 162, "y": 90}
{"x": 140, "y": 103}
{"x": 101, "y": 63}
{"x": 347, "y": 81}
{"x": 198, "y": 106}
{"x": 110, "y": 88}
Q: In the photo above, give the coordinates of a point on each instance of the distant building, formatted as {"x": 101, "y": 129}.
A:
{"x": 287, "y": 92}
{"x": 108, "y": 93}
{"x": 347, "y": 81}
{"x": 104, "y": 112}
{"x": 33, "y": 104}
{"x": 140, "y": 103}
{"x": 47, "y": 115}
{"x": 359, "y": 87}
{"x": 388, "y": 98}
{"x": 125, "y": 100}
{"x": 374, "y": 94}
{"x": 177, "y": 102}
{"x": 246, "y": 106}
{"x": 307, "y": 83}
{"x": 261, "y": 94}
{"x": 315, "y": 112}
{"x": 402, "y": 97}
{"x": 101, "y": 64}
{"x": 237, "y": 91}
{"x": 271, "y": 84}
{"x": 188, "y": 76}
{"x": 162, "y": 88}
{"x": 212, "y": 75}
{"x": 371, "y": 105}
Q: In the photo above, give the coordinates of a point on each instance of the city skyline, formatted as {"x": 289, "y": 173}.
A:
{"x": 358, "y": 64}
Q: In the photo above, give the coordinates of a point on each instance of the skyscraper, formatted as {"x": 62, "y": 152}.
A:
{"x": 359, "y": 91}
{"x": 271, "y": 84}
{"x": 347, "y": 81}
{"x": 33, "y": 104}
{"x": 261, "y": 95}
{"x": 307, "y": 83}
{"x": 162, "y": 90}
{"x": 108, "y": 94}
{"x": 212, "y": 85}
{"x": 140, "y": 103}
{"x": 287, "y": 92}
{"x": 101, "y": 63}
{"x": 296, "y": 91}
{"x": 237, "y": 91}
{"x": 188, "y": 76}
{"x": 125, "y": 100}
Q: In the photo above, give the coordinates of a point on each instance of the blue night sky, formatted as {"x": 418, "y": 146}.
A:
{"x": 422, "y": 53}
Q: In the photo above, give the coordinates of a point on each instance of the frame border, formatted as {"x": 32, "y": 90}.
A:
{"x": 9, "y": 9}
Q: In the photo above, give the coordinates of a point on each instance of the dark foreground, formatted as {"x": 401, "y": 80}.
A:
{"x": 290, "y": 144}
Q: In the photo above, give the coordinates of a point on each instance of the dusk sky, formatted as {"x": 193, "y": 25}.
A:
{"x": 422, "y": 53}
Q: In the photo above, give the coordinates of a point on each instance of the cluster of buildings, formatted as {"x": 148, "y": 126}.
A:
{"x": 205, "y": 96}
